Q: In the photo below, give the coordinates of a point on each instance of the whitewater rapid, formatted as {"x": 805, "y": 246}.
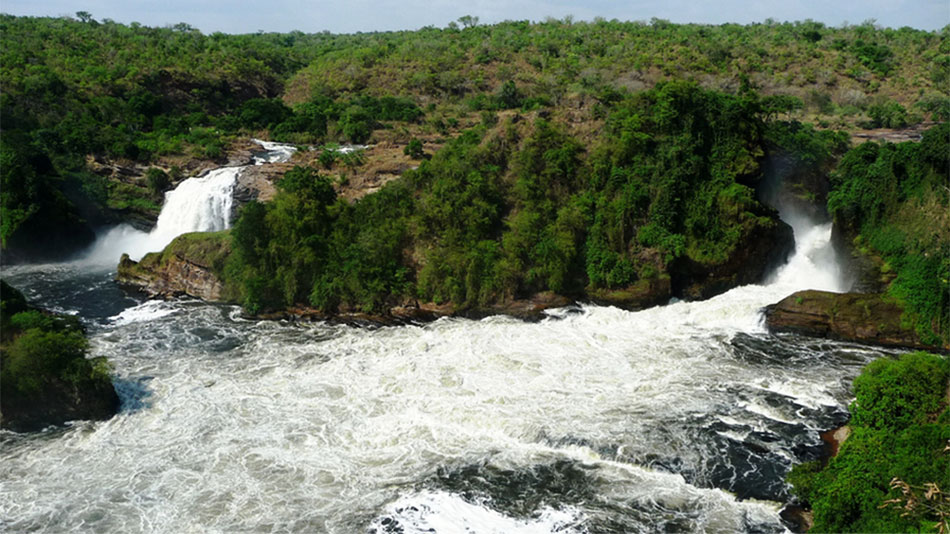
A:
{"x": 679, "y": 418}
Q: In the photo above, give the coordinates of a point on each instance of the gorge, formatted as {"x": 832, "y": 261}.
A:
{"x": 594, "y": 419}
{"x": 565, "y": 276}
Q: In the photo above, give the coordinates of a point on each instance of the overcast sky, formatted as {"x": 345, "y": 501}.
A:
{"x": 346, "y": 16}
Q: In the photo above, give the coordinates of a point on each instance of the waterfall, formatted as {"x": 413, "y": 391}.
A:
{"x": 201, "y": 204}
{"x": 197, "y": 205}
{"x": 684, "y": 417}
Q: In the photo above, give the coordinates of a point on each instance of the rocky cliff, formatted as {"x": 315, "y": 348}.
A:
{"x": 764, "y": 246}
{"x": 191, "y": 265}
{"x": 865, "y": 318}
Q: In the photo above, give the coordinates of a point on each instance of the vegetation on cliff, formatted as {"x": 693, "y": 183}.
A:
{"x": 900, "y": 425}
{"x": 511, "y": 209}
{"x": 892, "y": 200}
{"x": 44, "y": 373}
{"x": 76, "y": 89}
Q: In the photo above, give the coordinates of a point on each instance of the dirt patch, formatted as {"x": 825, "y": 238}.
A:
{"x": 891, "y": 135}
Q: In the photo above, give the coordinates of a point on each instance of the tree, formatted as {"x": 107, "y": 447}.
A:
{"x": 414, "y": 149}
{"x": 468, "y": 21}
{"x": 158, "y": 181}
{"x": 509, "y": 96}
{"x": 84, "y": 16}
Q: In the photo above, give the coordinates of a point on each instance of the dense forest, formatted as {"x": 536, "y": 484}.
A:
{"x": 76, "y": 90}
{"x": 615, "y": 161}
{"x": 513, "y": 208}
{"x": 888, "y": 474}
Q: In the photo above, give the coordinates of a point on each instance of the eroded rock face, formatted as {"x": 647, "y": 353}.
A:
{"x": 173, "y": 277}
{"x": 861, "y": 317}
{"x": 763, "y": 248}
{"x": 256, "y": 182}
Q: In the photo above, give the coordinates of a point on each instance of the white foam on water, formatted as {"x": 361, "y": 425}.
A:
{"x": 275, "y": 152}
{"x": 267, "y": 426}
{"x": 147, "y": 311}
{"x": 438, "y": 511}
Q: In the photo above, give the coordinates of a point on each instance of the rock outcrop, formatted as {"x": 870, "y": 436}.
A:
{"x": 256, "y": 182}
{"x": 861, "y": 317}
{"x": 189, "y": 265}
{"x": 58, "y": 402}
{"x": 762, "y": 248}
{"x": 45, "y": 377}
{"x": 643, "y": 294}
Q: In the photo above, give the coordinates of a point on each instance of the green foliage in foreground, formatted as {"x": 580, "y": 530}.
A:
{"x": 40, "y": 348}
{"x": 894, "y": 197}
{"x": 900, "y": 426}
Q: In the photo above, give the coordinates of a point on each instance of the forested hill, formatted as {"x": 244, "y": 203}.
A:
{"x": 78, "y": 89}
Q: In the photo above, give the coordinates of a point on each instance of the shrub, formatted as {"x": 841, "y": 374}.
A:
{"x": 893, "y": 395}
{"x": 158, "y": 181}
{"x": 356, "y": 125}
{"x": 414, "y": 149}
{"x": 263, "y": 113}
{"x": 328, "y": 157}
{"x": 509, "y": 96}
{"x": 38, "y": 356}
{"x": 888, "y": 114}
{"x": 900, "y": 426}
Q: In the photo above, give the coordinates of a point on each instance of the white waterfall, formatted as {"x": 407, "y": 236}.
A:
{"x": 197, "y": 205}
{"x": 201, "y": 204}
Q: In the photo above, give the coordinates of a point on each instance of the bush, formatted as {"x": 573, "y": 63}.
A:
{"x": 259, "y": 113}
{"x": 897, "y": 432}
{"x": 328, "y": 157}
{"x": 414, "y": 149}
{"x": 509, "y": 96}
{"x": 893, "y": 395}
{"x": 158, "y": 181}
{"x": 356, "y": 124}
{"x": 874, "y": 56}
{"x": 888, "y": 114}
{"x": 37, "y": 356}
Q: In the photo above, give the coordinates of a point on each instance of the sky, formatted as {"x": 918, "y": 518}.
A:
{"x": 349, "y": 16}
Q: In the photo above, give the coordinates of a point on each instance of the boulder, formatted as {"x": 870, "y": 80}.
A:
{"x": 642, "y": 294}
{"x": 58, "y": 402}
{"x": 862, "y": 317}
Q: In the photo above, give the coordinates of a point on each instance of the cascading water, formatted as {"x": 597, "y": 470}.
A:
{"x": 200, "y": 204}
{"x": 680, "y": 418}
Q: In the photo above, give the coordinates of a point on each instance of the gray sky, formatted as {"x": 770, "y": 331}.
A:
{"x": 342, "y": 16}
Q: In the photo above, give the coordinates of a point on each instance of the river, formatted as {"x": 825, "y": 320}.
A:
{"x": 680, "y": 418}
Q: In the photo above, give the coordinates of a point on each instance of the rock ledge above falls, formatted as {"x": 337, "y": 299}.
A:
{"x": 862, "y": 317}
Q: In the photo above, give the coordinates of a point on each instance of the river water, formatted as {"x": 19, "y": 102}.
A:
{"x": 680, "y": 418}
